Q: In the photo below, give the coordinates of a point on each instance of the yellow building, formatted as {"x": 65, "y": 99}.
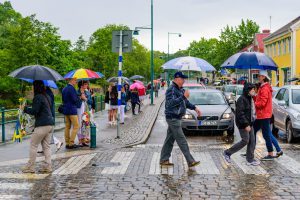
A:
{"x": 283, "y": 46}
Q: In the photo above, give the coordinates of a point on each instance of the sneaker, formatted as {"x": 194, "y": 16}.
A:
{"x": 84, "y": 144}
{"x": 74, "y": 146}
{"x": 226, "y": 157}
{"x": 46, "y": 170}
{"x": 58, "y": 146}
{"x": 40, "y": 151}
{"x": 194, "y": 164}
{"x": 28, "y": 169}
{"x": 166, "y": 163}
{"x": 267, "y": 158}
{"x": 278, "y": 154}
{"x": 254, "y": 163}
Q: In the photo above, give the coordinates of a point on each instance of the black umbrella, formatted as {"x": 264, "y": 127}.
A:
{"x": 115, "y": 79}
{"x": 36, "y": 72}
{"x": 136, "y": 77}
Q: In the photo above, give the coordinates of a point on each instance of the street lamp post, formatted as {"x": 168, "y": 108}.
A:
{"x": 179, "y": 35}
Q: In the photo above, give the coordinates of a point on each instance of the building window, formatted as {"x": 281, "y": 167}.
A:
{"x": 279, "y": 48}
{"x": 289, "y": 45}
{"x": 284, "y": 46}
{"x": 274, "y": 49}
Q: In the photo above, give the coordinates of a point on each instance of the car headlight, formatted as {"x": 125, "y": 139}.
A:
{"x": 227, "y": 114}
{"x": 297, "y": 116}
{"x": 187, "y": 116}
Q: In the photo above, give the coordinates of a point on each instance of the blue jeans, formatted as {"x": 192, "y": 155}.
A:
{"x": 264, "y": 125}
{"x": 175, "y": 133}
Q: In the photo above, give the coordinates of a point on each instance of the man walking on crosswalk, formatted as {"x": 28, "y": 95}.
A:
{"x": 175, "y": 107}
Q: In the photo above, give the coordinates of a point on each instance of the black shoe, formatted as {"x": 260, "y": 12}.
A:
{"x": 268, "y": 158}
{"x": 278, "y": 154}
{"x": 243, "y": 155}
{"x": 67, "y": 146}
{"x": 84, "y": 144}
{"x": 74, "y": 146}
{"x": 40, "y": 151}
{"x": 133, "y": 114}
{"x": 193, "y": 164}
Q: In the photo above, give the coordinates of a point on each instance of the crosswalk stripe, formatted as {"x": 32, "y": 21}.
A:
{"x": 289, "y": 163}
{"x": 74, "y": 164}
{"x": 207, "y": 165}
{"x": 155, "y": 167}
{"x": 15, "y": 186}
{"x": 22, "y": 176}
{"x": 10, "y": 196}
{"x": 242, "y": 164}
{"x": 124, "y": 158}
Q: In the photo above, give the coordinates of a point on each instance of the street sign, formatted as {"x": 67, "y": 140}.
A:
{"x": 126, "y": 41}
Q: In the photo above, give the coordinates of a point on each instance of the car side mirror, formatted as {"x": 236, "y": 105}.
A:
{"x": 281, "y": 103}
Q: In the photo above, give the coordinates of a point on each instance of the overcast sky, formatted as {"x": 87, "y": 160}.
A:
{"x": 193, "y": 18}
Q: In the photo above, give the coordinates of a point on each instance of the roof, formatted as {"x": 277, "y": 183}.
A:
{"x": 283, "y": 29}
{"x": 259, "y": 37}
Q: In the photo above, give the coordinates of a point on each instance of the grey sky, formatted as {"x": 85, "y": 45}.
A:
{"x": 193, "y": 18}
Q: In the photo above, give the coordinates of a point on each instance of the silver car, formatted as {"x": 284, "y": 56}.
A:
{"x": 286, "y": 112}
{"x": 217, "y": 115}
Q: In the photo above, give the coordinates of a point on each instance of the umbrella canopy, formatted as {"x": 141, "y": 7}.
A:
{"x": 82, "y": 74}
{"x": 189, "y": 63}
{"x": 100, "y": 74}
{"x": 115, "y": 79}
{"x": 137, "y": 86}
{"x": 49, "y": 83}
{"x": 243, "y": 78}
{"x": 250, "y": 60}
{"x": 293, "y": 79}
{"x": 136, "y": 77}
{"x": 140, "y": 82}
{"x": 36, "y": 72}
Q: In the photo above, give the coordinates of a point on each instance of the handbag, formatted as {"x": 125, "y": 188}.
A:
{"x": 60, "y": 108}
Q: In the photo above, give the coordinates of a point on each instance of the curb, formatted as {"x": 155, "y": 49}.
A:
{"x": 148, "y": 131}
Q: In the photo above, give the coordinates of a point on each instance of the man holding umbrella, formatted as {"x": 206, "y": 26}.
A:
{"x": 175, "y": 108}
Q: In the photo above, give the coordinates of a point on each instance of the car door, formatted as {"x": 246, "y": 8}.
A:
{"x": 284, "y": 109}
{"x": 277, "y": 110}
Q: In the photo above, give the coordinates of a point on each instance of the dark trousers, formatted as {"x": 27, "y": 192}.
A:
{"x": 133, "y": 107}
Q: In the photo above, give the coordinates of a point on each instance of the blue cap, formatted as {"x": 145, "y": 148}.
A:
{"x": 180, "y": 75}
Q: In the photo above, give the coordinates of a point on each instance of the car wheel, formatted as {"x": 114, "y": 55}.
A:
{"x": 289, "y": 132}
{"x": 274, "y": 130}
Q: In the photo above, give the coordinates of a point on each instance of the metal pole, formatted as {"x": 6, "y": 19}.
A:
{"x": 168, "y": 46}
{"x": 152, "y": 57}
{"x": 119, "y": 82}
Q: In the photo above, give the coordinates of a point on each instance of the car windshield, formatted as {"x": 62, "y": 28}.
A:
{"x": 193, "y": 87}
{"x": 229, "y": 88}
{"x": 240, "y": 91}
{"x": 207, "y": 98}
{"x": 296, "y": 96}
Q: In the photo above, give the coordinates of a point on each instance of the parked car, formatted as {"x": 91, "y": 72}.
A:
{"x": 217, "y": 115}
{"x": 239, "y": 91}
{"x": 286, "y": 112}
{"x": 194, "y": 86}
{"x": 275, "y": 90}
{"x": 218, "y": 83}
{"x": 232, "y": 92}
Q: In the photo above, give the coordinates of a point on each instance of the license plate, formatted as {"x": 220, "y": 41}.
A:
{"x": 208, "y": 123}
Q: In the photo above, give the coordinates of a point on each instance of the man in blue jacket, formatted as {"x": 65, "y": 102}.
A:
{"x": 175, "y": 107}
{"x": 70, "y": 102}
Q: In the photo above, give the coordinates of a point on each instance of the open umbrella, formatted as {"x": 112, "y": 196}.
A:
{"x": 250, "y": 60}
{"x": 49, "y": 83}
{"x": 189, "y": 63}
{"x": 36, "y": 72}
{"x": 100, "y": 74}
{"x": 82, "y": 74}
{"x": 137, "y": 86}
{"x": 115, "y": 79}
{"x": 136, "y": 77}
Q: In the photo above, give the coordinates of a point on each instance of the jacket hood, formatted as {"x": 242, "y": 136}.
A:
{"x": 247, "y": 88}
{"x": 267, "y": 85}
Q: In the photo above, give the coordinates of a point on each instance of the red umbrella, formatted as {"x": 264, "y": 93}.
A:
{"x": 137, "y": 86}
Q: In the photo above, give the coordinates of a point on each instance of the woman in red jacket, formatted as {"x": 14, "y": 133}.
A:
{"x": 263, "y": 107}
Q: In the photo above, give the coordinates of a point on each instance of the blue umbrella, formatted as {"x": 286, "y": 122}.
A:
{"x": 243, "y": 78}
{"x": 250, "y": 60}
{"x": 49, "y": 83}
{"x": 189, "y": 63}
{"x": 100, "y": 74}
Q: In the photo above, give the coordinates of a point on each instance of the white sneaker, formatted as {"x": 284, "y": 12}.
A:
{"x": 254, "y": 163}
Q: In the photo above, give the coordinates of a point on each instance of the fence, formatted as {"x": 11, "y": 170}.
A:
{"x": 11, "y": 118}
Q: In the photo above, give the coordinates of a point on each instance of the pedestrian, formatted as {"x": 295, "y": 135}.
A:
{"x": 156, "y": 88}
{"x": 70, "y": 103}
{"x": 83, "y": 111}
{"x": 128, "y": 93}
{"x": 44, "y": 122}
{"x": 54, "y": 140}
{"x": 175, "y": 107}
{"x": 114, "y": 104}
{"x": 123, "y": 104}
{"x": 107, "y": 103}
{"x": 135, "y": 100}
{"x": 263, "y": 106}
{"x": 244, "y": 118}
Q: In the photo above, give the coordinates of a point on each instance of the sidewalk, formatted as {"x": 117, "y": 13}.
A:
{"x": 135, "y": 131}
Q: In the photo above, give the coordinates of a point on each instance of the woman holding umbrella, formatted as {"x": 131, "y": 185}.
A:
{"x": 41, "y": 109}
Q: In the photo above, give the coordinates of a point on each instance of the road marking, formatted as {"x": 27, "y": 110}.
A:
{"x": 124, "y": 158}
{"x": 53, "y": 157}
{"x": 155, "y": 167}
{"x": 74, "y": 164}
{"x": 10, "y": 196}
{"x": 15, "y": 186}
{"x": 289, "y": 163}
{"x": 23, "y": 176}
{"x": 207, "y": 165}
{"x": 242, "y": 164}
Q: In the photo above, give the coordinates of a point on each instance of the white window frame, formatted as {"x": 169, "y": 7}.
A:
{"x": 274, "y": 50}
{"x": 279, "y": 48}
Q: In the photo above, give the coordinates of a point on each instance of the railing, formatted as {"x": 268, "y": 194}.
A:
{"x": 99, "y": 106}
